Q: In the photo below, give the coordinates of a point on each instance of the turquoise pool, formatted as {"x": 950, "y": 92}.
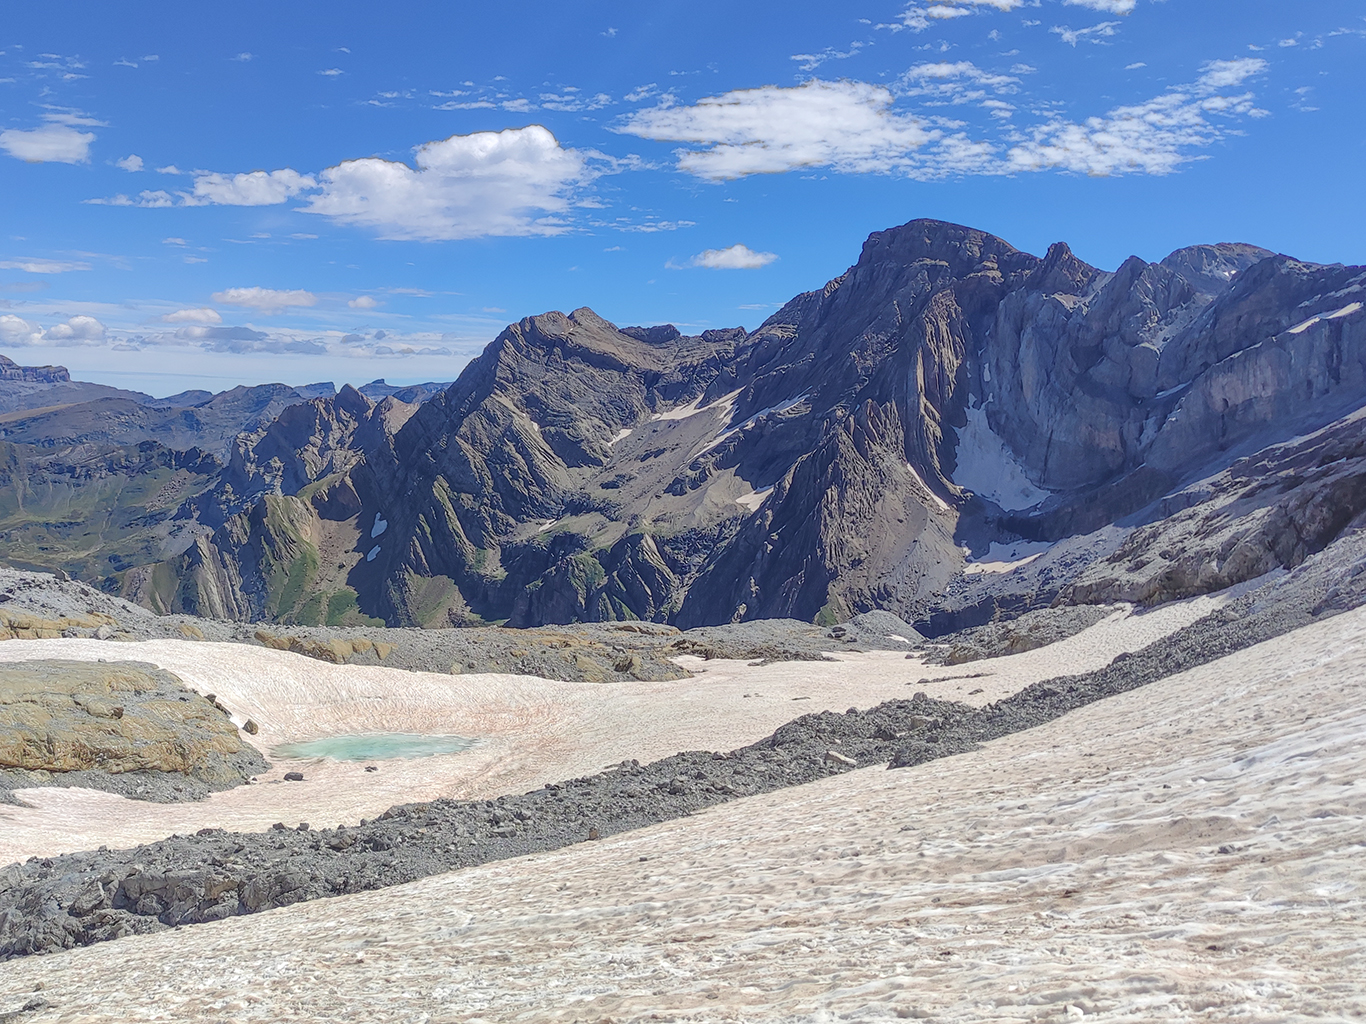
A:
{"x": 375, "y": 747}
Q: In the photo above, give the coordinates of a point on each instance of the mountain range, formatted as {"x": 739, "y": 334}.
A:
{"x": 952, "y": 430}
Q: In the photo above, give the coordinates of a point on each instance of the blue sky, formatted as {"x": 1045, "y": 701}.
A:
{"x": 197, "y": 196}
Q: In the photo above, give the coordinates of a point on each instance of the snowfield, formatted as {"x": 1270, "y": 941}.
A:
{"x": 1193, "y": 850}
{"x": 530, "y": 731}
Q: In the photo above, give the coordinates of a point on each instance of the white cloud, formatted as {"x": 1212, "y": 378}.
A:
{"x": 169, "y": 169}
{"x": 18, "y": 332}
{"x": 132, "y": 162}
{"x": 1094, "y": 34}
{"x": 811, "y": 61}
{"x": 1225, "y": 74}
{"x": 242, "y": 57}
{"x": 203, "y": 315}
{"x": 332, "y": 72}
{"x": 514, "y": 182}
{"x": 255, "y": 188}
{"x": 1105, "y": 6}
{"x": 265, "y": 300}
{"x": 845, "y": 125}
{"x": 1135, "y": 66}
{"x": 147, "y": 199}
{"x": 950, "y": 82}
{"x": 363, "y": 302}
{"x": 1155, "y": 137}
{"x": 917, "y": 18}
{"x": 43, "y": 266}
{"x": 51, "y": 143}
{"x": 737, "y": 257}
{"x": 78, "y": 328}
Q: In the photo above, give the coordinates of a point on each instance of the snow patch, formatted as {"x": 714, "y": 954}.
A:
{"x": 766, "y": 411}
{"x": 381, "y": 524}
{"x": 370, "y": 555}
{"x": 546, "y": 525}
{"x": 937, "y": 499}
{"x": 1005, "y": 557}
{"x": 987, "y": 466}
{"x": 692, "y": 408}
{"x": 1337, "y": 314}
{"x": 754, "y": 499}
{"x": 622, "y": 435}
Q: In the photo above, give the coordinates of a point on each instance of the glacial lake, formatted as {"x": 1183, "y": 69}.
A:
{"x": 375, "y": 747}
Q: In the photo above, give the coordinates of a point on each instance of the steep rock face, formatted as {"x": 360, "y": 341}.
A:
{"x": 945, "y": 393}
{"x": 849, "y": 527}
{"x": 10, "y": 370}
{"x": 514, "y": 442}
{"x": 1266, "y": 512}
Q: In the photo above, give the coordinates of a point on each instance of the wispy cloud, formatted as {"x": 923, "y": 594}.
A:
{"x": 1154, "y": 137}
{"x": 1105, "y": 6}
{"x": 265, "y": 300}
{"x": 1094, "y": 34}
{"x": 917, "y": 16}
{"x": 40, "y": 266}
{"x": 846, "y": 125}
{"x": 811, "y": 61}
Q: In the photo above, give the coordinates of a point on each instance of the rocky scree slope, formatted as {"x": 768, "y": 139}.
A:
{"x": 947, "y": 392}
{"x": 49, "y": 904}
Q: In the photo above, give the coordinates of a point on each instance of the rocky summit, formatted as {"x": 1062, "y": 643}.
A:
{"x": 883, "y": 442}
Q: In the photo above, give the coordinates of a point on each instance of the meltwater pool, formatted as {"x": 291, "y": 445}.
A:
{"x": 375, "y": 747}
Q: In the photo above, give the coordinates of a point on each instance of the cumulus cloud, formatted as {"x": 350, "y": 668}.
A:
{"x": 265, "y": 300}
{"x": 1155, "y": 137}
{"x": 255, "y": 188}
{"x": 78, "y": 330}
{"x": 736, "y": 257}
{"x": 132, "y": 162}
{"x": 363, "y": 302}
{"x": 16, "y": 332}
{"x": 50, "y": 143}
{"x": 849, "y": 126}
{"x": 203, "y": 315}
{"x": 43, "y": 266}
{"x": 514, "y": 182}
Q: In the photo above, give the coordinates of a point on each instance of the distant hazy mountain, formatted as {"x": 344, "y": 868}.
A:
{"x": 952, "y": 430}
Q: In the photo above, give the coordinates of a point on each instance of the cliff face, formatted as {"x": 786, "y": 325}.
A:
{"x": 10, "y": 370}
{"x": 946, "y": 393}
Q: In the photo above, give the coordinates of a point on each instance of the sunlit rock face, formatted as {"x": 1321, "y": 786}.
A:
{"x": 946, "y": 393}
